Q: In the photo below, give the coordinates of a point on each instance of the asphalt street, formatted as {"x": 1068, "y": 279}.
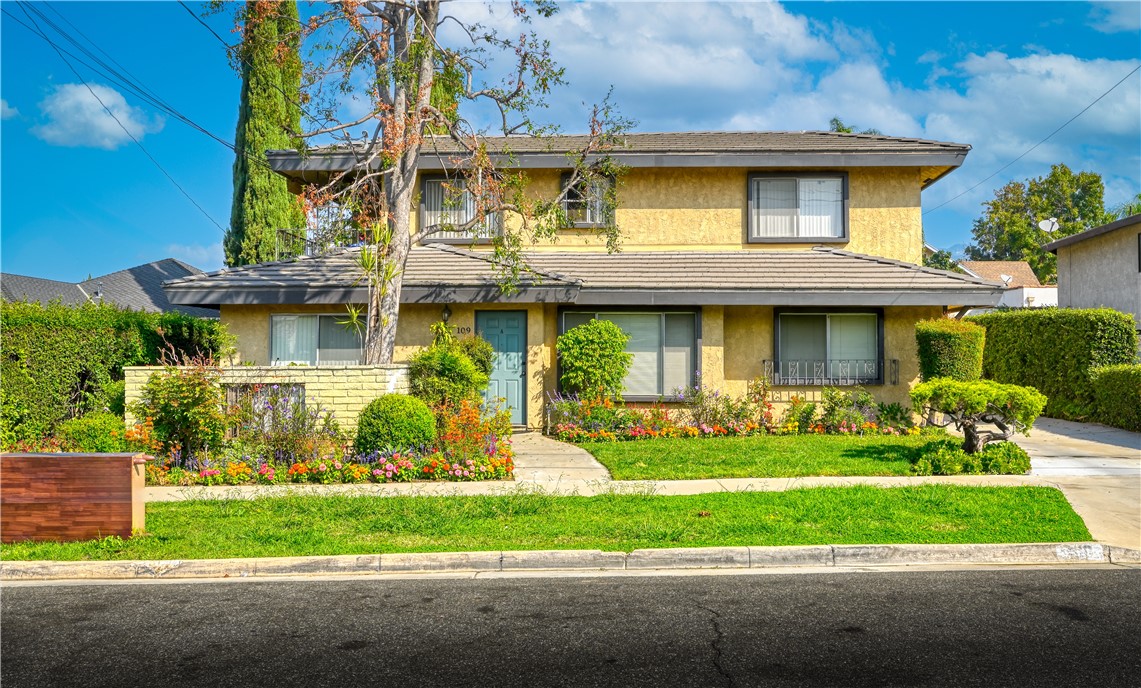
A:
{"x": 1058, "y": 627}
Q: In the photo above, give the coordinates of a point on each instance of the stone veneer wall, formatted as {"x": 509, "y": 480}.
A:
{"x": 344, "y": 390}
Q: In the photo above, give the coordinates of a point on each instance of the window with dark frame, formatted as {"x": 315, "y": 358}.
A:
{"x": 313, "y": 340}
{"x": 797, "y": 207}
{"x": 828, "y": 348}
{"x": 663, "y": 344}
{"x": 446, "y": 201}
{"x": 585, "y": 202}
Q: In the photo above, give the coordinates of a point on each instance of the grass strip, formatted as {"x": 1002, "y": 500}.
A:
{"x": 299, "y": 526}
{"x": 759, "y": 456}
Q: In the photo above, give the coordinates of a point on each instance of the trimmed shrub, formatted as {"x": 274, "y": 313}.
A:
{"x": 59, "y": 361}
{"x": 942, "y": 457}
{"x": 395, "y": 420}
{"x": 444, "y": 374}
{"x": 968, "y": 405}
{"x": 1117, "y": 395}
{"x": 593, "y": 358}
{"x": 949, "y": 348}
{"x": 1055, "y": 351}
{"x": 95, "y": 432}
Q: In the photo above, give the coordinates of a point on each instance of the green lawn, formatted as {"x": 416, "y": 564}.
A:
{"x": 759, "y": 456}
{"x": 295, "y": 526}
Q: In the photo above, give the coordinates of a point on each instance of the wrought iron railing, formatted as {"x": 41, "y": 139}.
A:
{"x": 292, "y": 243}
{"x": 832, "y": 372}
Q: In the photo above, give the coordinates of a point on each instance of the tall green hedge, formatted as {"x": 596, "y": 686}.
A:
{"x": 58, "y": 361}
{"x": 1055, "y": 351}
{"x": 950, "y": 348}
{"x": 1117, "y": 392}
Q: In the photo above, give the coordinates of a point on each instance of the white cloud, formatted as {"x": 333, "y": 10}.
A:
{"x": 7, "y": 111}
{"x": 1116, "y": 17}
{"x": 75, "y": 117}
{"x": 205, "y": 257}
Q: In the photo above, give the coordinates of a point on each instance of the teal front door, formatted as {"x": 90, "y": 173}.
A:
{"x": 507, "y": 332}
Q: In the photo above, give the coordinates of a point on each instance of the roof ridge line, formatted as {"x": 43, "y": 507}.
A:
{"x": 905, "y": 264}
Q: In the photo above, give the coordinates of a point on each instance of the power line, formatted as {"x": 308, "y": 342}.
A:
{"x": 1031, "y": 148}
{"x": 121, "y": 126}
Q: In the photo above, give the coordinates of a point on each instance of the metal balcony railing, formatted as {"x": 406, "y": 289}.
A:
{"x": 292, "y": 243}
{"x": 807, "y": 372}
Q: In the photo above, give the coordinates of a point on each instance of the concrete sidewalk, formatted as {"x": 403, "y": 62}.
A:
{"x": 1066, "y": 448}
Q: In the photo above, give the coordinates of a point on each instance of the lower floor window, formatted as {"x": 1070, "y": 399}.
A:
{"x": 663, "y": 346}
{"x": 828, "y": 348}
{"x": 313, "y": 340}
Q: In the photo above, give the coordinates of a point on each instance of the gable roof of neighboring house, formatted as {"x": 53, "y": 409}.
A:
{"x": 764, "y": 149}
{"x": 1019, "y": 272}
{"x": 1053, "y": 246}
{"x": 442, "y": 274}
{"x": 138, "y": 288}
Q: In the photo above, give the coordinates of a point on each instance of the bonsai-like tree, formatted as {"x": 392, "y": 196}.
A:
{"x": 1009, "y": 408}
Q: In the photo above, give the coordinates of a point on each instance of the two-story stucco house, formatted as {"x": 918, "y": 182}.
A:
{"x": 789, "y": 255}
{"x": 1101, "y": 267}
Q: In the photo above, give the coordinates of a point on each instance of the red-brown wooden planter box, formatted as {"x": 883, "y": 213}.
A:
{"x": 64, "y": 497}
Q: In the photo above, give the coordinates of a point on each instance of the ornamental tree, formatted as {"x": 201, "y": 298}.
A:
{"x": 411, "y": 72}
{"x": 1010, "y": 408}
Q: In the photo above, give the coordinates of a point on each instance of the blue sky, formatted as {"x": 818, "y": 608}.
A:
{"x": 79, "y": 198}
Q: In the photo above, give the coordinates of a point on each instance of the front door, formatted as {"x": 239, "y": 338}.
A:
{"x": 507, "y": 332}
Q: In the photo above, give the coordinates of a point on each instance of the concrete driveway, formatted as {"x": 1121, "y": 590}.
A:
{"x": 1098, "y": 468}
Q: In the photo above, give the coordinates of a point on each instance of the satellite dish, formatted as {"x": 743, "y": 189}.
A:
{"x": 1006, "y": 279}
{"x": 1049, "y": 226}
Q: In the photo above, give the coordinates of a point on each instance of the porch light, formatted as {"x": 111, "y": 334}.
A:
{"x": 446, "y": 313}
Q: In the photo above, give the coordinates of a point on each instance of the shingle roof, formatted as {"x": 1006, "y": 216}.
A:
{"x": 707, "y": 142}
{"x": 1091, "y": 233}
{"x": 139, "y": 288}
{"x": 36, "y": 289}
{"x": 1019, "y": 272}
{"x": 440, "y": 274}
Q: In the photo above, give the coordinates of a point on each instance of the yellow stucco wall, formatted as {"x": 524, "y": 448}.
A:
{"x": 705, "y": 209}
{"x": 749, "y": 342}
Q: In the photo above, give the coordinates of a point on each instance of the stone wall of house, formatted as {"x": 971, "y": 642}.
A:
{"x": 344, "y": 390}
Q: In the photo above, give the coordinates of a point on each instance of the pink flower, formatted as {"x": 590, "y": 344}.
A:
{"x": 337, "y": 465}
{"x": 322, "y": 467}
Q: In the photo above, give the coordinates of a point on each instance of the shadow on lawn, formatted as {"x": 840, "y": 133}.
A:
{"x": 895, "y": 453}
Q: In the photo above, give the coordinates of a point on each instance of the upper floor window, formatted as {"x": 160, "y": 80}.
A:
{"x": 585, "y": 203}
{"x": 797, "y": 208}
{"x": 447, "y": 202}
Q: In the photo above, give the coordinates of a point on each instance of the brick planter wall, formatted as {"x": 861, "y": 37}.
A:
{"x": 62, "y": 497}
{"x": 344, "y": 390}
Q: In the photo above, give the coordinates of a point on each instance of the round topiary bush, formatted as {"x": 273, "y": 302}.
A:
{"x": 95, "y": 432}
{"x": 950, "y": 348}
{"x": 593, "y": 358}
{"x": 394, "y": 420}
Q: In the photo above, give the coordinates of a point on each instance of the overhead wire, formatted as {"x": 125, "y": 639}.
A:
{"x": 35, "y": 28}
{"x": 1031, "y": 148}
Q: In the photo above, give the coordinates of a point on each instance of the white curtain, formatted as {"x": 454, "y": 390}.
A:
{"x": 293, "y": 339}
{"x": 853, "y": 344}
{"x": 821, "y": 208}
{"x": 645, "y": 331}
{"x": 774, "y": 208}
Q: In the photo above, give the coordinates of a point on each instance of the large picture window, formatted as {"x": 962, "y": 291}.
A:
{"x": 664, "y": 347}
{"x": 313, "y": 340}
{"x": 828, "y": 348}
{"x": 791, "y": 208}
{"x": 446, "y": 201}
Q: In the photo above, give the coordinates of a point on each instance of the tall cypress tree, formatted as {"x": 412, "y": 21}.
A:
{"x": 268, "y": 113}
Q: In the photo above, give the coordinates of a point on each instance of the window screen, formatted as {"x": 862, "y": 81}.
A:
{"x": 796, "y": 207}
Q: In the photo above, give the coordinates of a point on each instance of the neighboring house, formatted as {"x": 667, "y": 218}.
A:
{"x": 1101, "y": 267}
{"x": 1023, "y": 290}
{"x": 788, "y": 256}
{"x": 139, "y": 288}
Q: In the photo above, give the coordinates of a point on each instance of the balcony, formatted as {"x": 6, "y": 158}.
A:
{"x": 832, "y": 372}
{"x": 292, "y": 243}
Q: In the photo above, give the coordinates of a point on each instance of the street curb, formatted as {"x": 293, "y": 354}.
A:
{"x": 815, "y": 556}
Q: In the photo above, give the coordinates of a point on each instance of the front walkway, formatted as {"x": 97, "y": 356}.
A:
{"x": 540, "y": 459}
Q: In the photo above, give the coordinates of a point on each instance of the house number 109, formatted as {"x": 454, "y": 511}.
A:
{"x": 461, "y": 330}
